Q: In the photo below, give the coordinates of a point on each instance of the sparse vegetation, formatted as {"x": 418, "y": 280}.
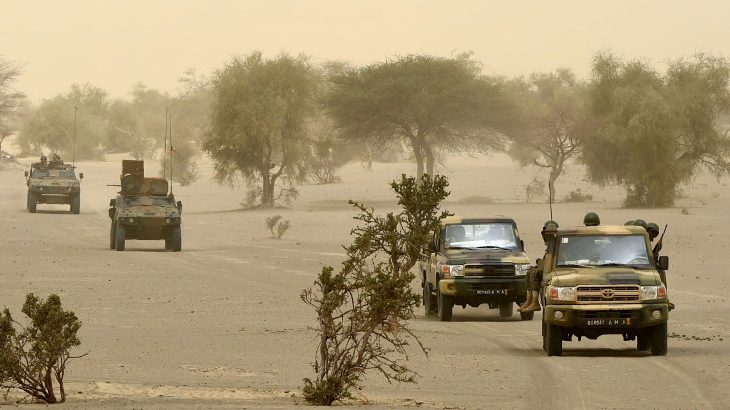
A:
{"x": 577, "y": 196}
{"x": 534, "y": 189}
{"x": 277, "y": 226}
{"x": 34, "y": 355}
{"x": 363, "y": 310}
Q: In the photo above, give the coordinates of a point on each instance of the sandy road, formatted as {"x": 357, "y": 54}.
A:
{"x": 221, "y": 323}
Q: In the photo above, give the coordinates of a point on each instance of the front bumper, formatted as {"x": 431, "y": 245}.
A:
{"x": 607, "y": 317}
{"x": 512, "y": 288}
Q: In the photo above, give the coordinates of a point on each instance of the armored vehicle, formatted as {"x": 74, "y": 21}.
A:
{"x": 53, "y": 182}
{"x": 473, "y": 261}
{"x": 600, "y": 280}
{"x": 144, "y": 210}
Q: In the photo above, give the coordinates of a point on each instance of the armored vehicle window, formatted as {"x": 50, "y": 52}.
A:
{"x": 481, "y": 235}
{"x": 603, "y": 250}
{"x": 39, "y": 172}
{"x": 146, "y": 201}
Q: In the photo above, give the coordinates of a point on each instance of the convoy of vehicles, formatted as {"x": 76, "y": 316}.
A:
{"x": 600, "y": 280}
{"x": 474, "y": 261}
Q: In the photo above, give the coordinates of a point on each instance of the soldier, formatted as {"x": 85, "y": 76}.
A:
{"x": 44, "y": 161}
{"x": 533, "y": 279}
{"x": 653, "y": 230}
{"x": 591, "y": 219}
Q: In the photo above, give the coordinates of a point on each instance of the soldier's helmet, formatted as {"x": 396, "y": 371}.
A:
{"x": 591, "y": 219}
{"x": 652, "y": 229}
{"x": 640, "y": 222}
{"x": 629, "y": 223}
{"x": 549, "y": 228}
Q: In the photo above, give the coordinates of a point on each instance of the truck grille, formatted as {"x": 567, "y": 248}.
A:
{"x": 55, "y": 190}
{"x": 608, "y": 314}
{"x": 608, "y": 294}
{"x": 489, "y": 270}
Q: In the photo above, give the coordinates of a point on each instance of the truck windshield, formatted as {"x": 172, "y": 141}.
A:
{"x": 481, "y": 235}
{"x": 603, "y": 250}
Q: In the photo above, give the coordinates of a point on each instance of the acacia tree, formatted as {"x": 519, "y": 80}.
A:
{"x": 431, "y": 102}
{"x": 10, "y": 98}
{"x": 657, "y": 129}
{"x": 258, "y": 122}
{"x": 50, "y": 126}
{"x": 137, "y": 126}
{"x": 554, "y": 118}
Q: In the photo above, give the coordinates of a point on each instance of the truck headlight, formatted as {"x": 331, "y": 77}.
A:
{"x": 653, "y": 292}
{"x": 521, "y": 269}
{"x": 453, "y": 270}
{"x": 561, "y": 293}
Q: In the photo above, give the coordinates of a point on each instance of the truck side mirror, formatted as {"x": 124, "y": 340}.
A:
{"x": 522, "y": 245}
{"x": 179, "y": 206}
{"x": 26, "y": 174}
{"x": 112, "y": 202}
{"x": 663, "y": 263}
{"x": 111, "y": 212}
{"x": 81, "y": 175}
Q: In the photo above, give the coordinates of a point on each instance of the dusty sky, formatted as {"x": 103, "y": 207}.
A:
{"x": 115, "y": 44}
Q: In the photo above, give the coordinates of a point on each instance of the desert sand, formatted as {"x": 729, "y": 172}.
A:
{"x": 221, "y": 323}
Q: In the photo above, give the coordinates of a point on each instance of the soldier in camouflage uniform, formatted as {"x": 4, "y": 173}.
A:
{"x": 533, "y": 279}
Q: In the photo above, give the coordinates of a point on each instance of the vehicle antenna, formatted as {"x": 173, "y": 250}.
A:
{"x": 172, "y": 149}
{"x": 73, "y": 158}
{"x": 550, "y": 201}
{"x": 164, "y": 151}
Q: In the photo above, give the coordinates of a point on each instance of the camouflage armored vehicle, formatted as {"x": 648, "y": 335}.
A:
{"x": 144, "y": 210}
{"x": 53, "y": 182}
{"x": 600, "y": 280}
{"x": 474, "y": 261}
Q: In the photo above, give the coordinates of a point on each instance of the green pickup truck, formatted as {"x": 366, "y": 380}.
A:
{"x": 600, "y": 280}
{"x": 474, "y": 261}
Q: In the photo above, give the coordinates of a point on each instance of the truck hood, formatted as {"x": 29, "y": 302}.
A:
{"x": 605, "y": 276}
{"x": 482, "y": 256}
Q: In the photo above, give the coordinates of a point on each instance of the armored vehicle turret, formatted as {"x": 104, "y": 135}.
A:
{"x": 144, "y": 209}
{"x": 53, "y": 182}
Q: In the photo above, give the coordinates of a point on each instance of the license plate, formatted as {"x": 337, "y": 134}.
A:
{"x": 608, "y": 322}
{"x": 488, "y": 292}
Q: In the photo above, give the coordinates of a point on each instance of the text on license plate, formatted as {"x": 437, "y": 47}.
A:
{"x": 608, "y": 322}
{"x": 492, "y": 291}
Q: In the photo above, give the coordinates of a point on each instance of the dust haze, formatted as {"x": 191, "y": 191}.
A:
{"x": 283, "y": 111}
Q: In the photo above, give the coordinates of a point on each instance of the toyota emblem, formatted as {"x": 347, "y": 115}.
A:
{"x": 607, "y": 293}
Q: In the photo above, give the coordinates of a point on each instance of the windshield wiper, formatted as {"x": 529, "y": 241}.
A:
{"x": 492, "y": 247}
{"x": 575, "y": 265}
{"x": 630, "y": 265}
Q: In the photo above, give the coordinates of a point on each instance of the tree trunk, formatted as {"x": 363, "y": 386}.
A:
{"x": 430, "y": 160}
{"x": 555, "y": 172}
{"x": 418, "y": 153}
{"x": 267, "y": 194}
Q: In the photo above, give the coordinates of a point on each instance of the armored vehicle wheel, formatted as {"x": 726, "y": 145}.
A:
{"x": 527, "y": 315}
{"x": 658, "y": 339}
{"x": 175, "y": 239}
{"x": 553, "y": 340}
{"x": 112, "y": 236}
{"x": 445, "y": 307}
{"x": 31, "y": 202}
{"x": 120, "y": 236}
{"x": 506, "y": 309}
{"x": 429, "y": 302}
{"x": 76, "y": 204}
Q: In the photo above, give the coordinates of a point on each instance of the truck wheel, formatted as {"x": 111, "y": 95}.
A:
{"x": 553, "y": 340}
{"x": 112, "y": 236}
{"x": 506, "y": 309}
{"x": 76, "y": 204}
{"x": 176, "y": 237}
{"x": 120, "y": 236}
{"x": 445, "y": 307}
{"x": 544, "y": 336}
{"x": 658, "y": 340}
{"x": 527, "y": 315}
{"x": 31, "y": 202}
{"x": 642, "y": 342}
{"x": 428, "y": 300}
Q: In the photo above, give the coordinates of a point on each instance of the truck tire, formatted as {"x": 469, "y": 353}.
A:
{"x": 76, "y": 204}
{"x": 527, "y": 315}
{"x": 429, "y": 302}
{"x": 506, "y": 309}
{"x": 120, "y": 236}
{"x": 658, "y": 339}
{"x": 553, "y": 340}
{"x": 176, "y": 237}
{"x": 642, "y": 342}
{"x": 31, "y": 202}
{"x": 445, "y": 307}
{"x": 112, "y": 236}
